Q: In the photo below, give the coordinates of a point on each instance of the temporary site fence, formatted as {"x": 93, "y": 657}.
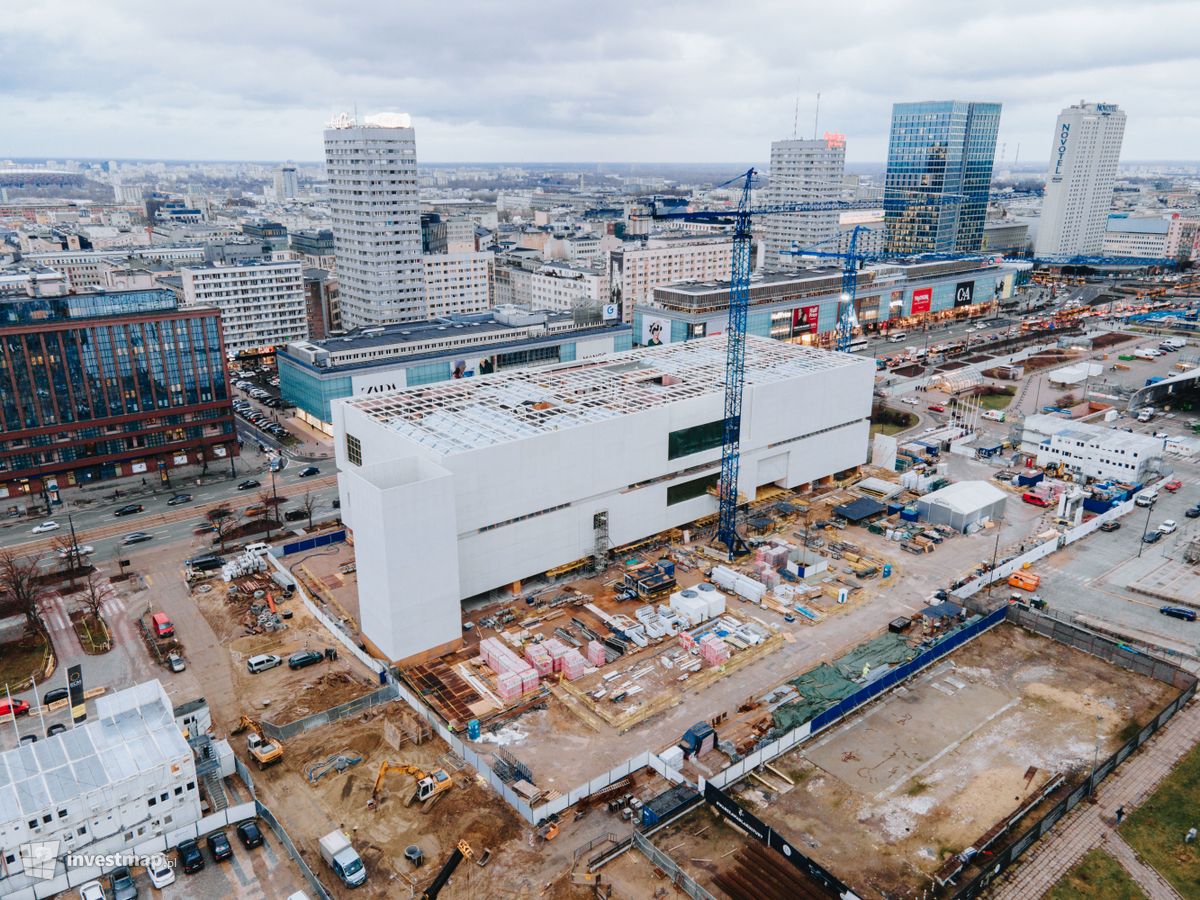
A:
{"x": 311, "y": 543}
{"x": 671, "y": 869}
{"x": 1117, "y": 655}
{"x": 282, "y": 732}
{"x": 866, "y": 694}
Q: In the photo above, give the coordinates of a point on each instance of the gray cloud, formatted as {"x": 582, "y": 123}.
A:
{"x": 672, "y": 80}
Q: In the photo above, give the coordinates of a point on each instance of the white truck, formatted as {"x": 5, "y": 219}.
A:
{"x": 1177, "y": 342}
{"x": 1147, "y": 353}
{"x": 340, "y": 856}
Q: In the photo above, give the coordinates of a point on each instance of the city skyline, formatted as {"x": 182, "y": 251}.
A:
{"x": 646, "y": 88}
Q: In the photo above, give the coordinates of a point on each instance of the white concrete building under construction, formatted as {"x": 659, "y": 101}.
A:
{"x": 458, "y": 488}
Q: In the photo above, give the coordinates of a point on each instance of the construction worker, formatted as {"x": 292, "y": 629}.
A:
{"x": 1120, "y": 814}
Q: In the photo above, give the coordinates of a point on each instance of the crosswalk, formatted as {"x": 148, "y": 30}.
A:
{"x": 56, "y": 614}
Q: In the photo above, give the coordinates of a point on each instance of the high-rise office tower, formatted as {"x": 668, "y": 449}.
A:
{"x": 1084, "y": 155}
{"x": 803, "y": 172}
{"x": 286, "y": 185}
{"x": 372, "y": 172}
{"x": 939, "y": 148}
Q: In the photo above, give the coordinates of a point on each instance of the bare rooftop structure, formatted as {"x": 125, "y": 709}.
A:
{"x": 452, "y": 417}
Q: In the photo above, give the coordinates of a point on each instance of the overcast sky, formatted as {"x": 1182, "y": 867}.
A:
{"x": 667, "y": 81}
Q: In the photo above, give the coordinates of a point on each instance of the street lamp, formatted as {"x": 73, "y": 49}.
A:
{"x": 1142, "y": 541}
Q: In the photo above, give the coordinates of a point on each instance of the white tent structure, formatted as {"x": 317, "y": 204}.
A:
{"x": 963, "y": 505}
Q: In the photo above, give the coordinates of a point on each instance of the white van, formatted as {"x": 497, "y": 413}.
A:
{"x": 1145, "y": 499}
{"x": 262, "y": 662}
{"x": 994, "y": 415}
{"x": 897, "y": 337}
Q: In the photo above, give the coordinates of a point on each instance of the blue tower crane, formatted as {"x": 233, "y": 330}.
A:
{"x": 735, "y": 346}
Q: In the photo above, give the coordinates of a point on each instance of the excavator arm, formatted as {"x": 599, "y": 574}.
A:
{"x": 461, "y": 852}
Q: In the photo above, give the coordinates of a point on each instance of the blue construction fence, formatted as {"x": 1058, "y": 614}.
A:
{"x": 321, "y": 540}
{"x": 907, "y": 670}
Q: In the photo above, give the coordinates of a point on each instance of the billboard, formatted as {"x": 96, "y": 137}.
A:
{"x": 469, "y": 368}
{"x": 610, "y": 311}
{"x": 655, "y": 331}
{"x": 805, "y": 320}
{"x": 964, "y": 293}
{"x": 922, "y": 300}
{"x": 75, "y": 694}
{"x": 379, "y": 382}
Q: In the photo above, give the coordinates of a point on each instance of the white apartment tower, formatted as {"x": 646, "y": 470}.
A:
{"x": 1079, "y": 184}
{"x": 287, "y": 187}
{"x": 803, "y": 171}
{"x": 372, "y": 172}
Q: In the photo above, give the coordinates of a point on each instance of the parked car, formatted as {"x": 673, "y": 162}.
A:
{"x": 49, "y": 525}
{"x": 56, "y": 728}
{"x": 1173, "y": 485}
{"x": 120, "y": 882}
{"x": 179, "y": 498}
{"x": 128, "y": 509}
{"x": 308, "y": 472}
{"x": 911, "y": 401}
{"x": 54, "y": 695}
{"x": 936, "y": 407}
{"x": 262, "y": 662}
{"x": 190, "y": 858}
{"x": 1151, "y": 537}
{"x": 1110, "y": 526}
{"x": 1193, "y": 512}
{"x": 175, "y": 662}
{"x": 1179, "y": 612}
{"x": 15, "y": 707}
{"x": 250, "y": 835}
{"x": 28, "y": 739}
{"x": 218, "y": 846}
{"x": 248, "y": 485}
{"x": 160, "y": 872}
{"x": 303, "y": 659}
{"x": 1168, "y": 526}
{"x": 294, "y": 515}
{"x": 137, "y": 537}
{"x": 93, "y": 890}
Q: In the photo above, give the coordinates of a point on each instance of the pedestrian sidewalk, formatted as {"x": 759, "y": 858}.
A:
{"x": 1091, "y": 825}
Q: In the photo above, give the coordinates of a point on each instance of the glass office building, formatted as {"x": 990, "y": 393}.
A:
{"x": 96, "y": 386}
{"x": 940, "y": 148}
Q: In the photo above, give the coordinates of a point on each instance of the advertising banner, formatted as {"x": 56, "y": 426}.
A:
{"x": 922, "y": 300}
{"x": 655, "y": 331}
{"x": 75, "y": 694}
{"x": 964, "y": 293}
{"x": 469, "y": 368}
{"x": 805, "y": 320}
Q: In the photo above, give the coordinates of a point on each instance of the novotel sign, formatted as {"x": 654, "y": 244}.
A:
{"x": 1061, "y": 150}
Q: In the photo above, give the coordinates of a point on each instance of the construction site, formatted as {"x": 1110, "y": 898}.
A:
{"x": 967, "y": 753}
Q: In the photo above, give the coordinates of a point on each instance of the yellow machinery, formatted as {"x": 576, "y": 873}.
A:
{"x": 461, "y": 852}
{"x": 429, "y": 785}
{"x": 265, "y": 752}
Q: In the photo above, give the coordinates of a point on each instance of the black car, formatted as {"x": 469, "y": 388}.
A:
{"x": 120, "y": 881}
{"x": 1193, "y": 513}
{"x": 218, "y": 846}
{"x": 1110, "y": 526}
{"x": 248, "y": 485}
{"x": 250, "y": 835}
{"x": 294, "y": 515}
{"x": 190, "y": 857}
{"x": 308, "y": 471}
{"x": 56, "y": 728}
{"x": 1179, "y": 612}
{"x": 54, "y": 695}
{"x": 129, "y": 509}
{"x": 179, "y": 498}
{"x": 1151, "y": 537}
{"x": 304, "y": 658}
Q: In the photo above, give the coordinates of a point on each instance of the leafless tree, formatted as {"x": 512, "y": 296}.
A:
{"x": 224, "y": 521}
{"x": 68, "y": 552}
{"x": 20, "y": 578}
{"x": 308, "y": 505}
{"x": 96, "y": 592}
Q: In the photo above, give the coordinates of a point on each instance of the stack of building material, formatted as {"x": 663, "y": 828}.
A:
{"x": 573, "y": 664}
{"x": 515, "y": 675}
{"x": 714, "y": 650}
{"x": 529, "y": 680}
{"x": 767, "y": 575}
{"x": 773, "y": 556}
{"x": 686, "y": 640}
{"x": 510, "y": 686}
{"x": 595, "y": 654}
{"x": 539, "y": 657}
{"x": 557, "y": 650}
{"x": 740, "y": 584}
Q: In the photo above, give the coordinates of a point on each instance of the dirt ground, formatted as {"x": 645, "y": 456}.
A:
{"x": 279, "y": 695}
{"x": 927, "y": 771}
{"x": 520, "y": 864}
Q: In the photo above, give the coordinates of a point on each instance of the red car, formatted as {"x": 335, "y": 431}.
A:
{"x": 937, "y": 407}
{"x": 1173, "y": 486}
{"x": 15, "y": 707}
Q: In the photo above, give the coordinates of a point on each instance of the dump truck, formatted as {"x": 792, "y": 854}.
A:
{"x": 342, "y": 858}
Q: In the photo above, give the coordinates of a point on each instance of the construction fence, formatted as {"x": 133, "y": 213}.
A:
{"x": 385, "y": 694}
{"x": 668, "y": 866}
{"x": 843, "y": 708}
{"x": 320, "y": 540}
{"x": 1120, "y": 656}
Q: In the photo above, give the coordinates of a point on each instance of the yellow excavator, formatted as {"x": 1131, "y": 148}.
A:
{"x": 430, "y": 785}
{"x": 265, "y": 751}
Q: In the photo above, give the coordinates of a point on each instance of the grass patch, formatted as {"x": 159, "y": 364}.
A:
{"x": 1156, "y": 828}
{"x": 20, "y": 659}
{"x": 93, "y": 633}
{"x": 886, "y": 428}
{"x": 1098, "y": 877}
{"x": 995, "y": 401}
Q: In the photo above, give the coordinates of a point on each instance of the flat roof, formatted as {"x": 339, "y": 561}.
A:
{"x": 455, "y": 416}
{"x": 135, "y": 732}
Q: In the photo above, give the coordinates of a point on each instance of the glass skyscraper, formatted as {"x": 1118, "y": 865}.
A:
{"x": 95, "y": 386}
{"x": 939, "y": 148}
